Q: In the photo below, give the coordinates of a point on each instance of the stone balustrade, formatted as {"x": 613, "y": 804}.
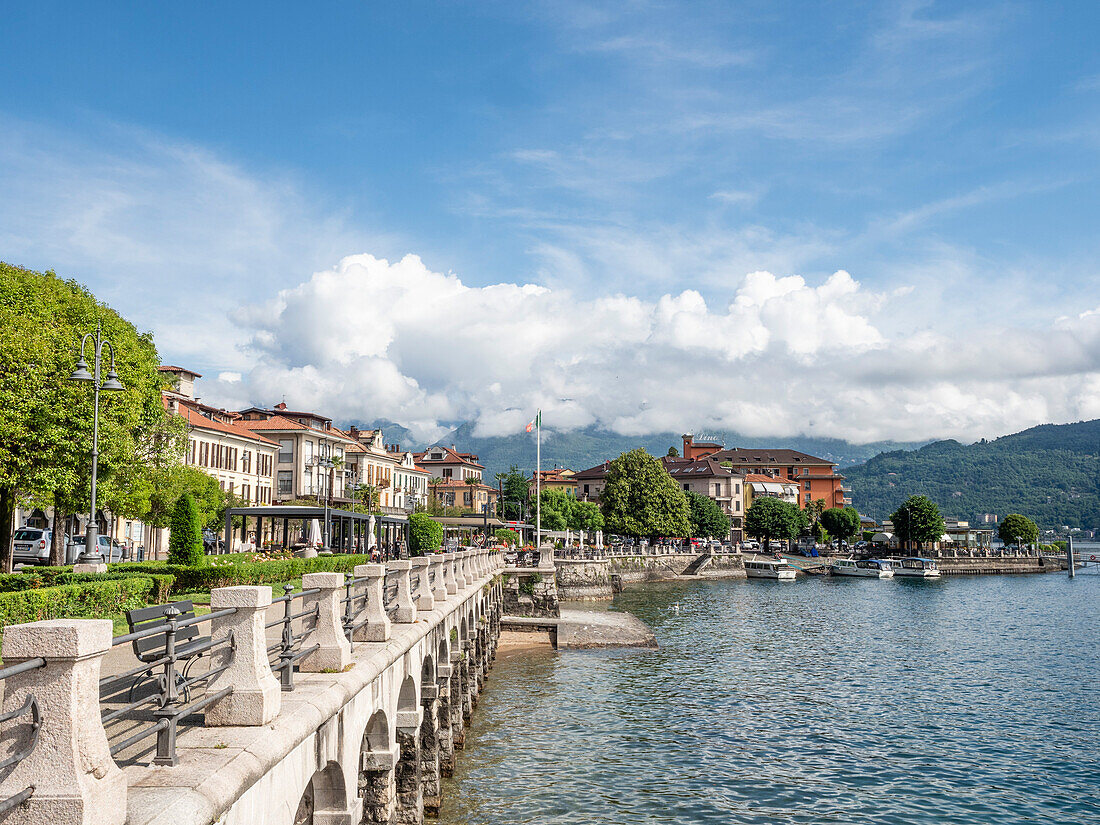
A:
{"x": 414, "y": 689}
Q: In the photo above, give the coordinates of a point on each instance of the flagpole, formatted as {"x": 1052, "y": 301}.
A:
{"x": 538, "y": 482}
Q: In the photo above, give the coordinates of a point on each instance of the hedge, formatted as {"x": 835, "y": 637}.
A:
{"x": 219, "y": 574}
{"x": 86, "y": 600}
{"x": 57, "y": 576}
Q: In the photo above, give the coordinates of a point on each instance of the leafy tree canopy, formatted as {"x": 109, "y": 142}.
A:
{"x": 772, "y": 518}
{"x": 1018, "y": 529}
{"x": 642, "y": 499}
{"x": 515, "y": 491}
{"x": 707, "y": 518}
{"x": 919, "y": 520}
{"x": 46, "y": 419}
{"x": 842, "y": 522}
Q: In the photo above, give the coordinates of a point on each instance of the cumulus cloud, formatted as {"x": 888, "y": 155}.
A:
{"x": 373, "y": 339}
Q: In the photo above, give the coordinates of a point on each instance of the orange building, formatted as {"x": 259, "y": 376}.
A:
{"x": 816, "y": 478}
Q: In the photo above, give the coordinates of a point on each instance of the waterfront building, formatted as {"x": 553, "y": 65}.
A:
{"x": 817, "y": 478}
{"x": 556, "y": 479}
{"x": 305, "y": 440}
{"x": 590, "y": 482}
{"x": 448, "y": 463}
{"x": 709, "y": 478}
{"x": 410, "y": 481}
{"x": 241, "y": 460}
{"x": 470, "y": 495}
{"x": 371, "y": 464}
{"x": 761, "y": 485}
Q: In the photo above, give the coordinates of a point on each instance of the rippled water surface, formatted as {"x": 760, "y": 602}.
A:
{"x": 969, "y": 700}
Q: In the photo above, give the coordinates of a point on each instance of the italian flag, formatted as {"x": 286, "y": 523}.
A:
{"x": 536, "y": 423}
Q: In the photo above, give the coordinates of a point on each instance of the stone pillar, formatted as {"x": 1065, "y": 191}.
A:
{"x": 256, "y": 696}
{"x": 377, "y": 628}
{"x": 406, "y": 609}
{"x": 334, "y": 652}
{"x": 75, "y": 780}
{"x": 425, "y": 601}
{"x": 439, "y": 589}
{"x": 443, "y": 674}
{"x": 460, "y": 570}
{"x": 449, "y": 580}
{"x": 458, "y": 700}
{"x": 479, "y": 571}
{"x": 376, "y": 785}
{"x": 429, "y": 749}
{"x": 467, "y": 574}
{"x": 406, "y": 776}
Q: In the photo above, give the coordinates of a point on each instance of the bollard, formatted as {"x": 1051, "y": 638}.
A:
{"x": 439, "y": 588}
{"x": 334, "y": 651}
{"x": 449, "y": 580}
{"x": 406, "y": 609}
{"x": 256, "y": 696}
{"x": 425, "y": 600}
{"x": 377, "y": 628}
{"x": 67, "y": 762}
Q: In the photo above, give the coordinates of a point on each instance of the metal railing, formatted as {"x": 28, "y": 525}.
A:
{"x": 30, "y": 705}
{"x": 389, "y": 593}
{"x": 172, "y": 684}
{"x": 349, "y": 601}
{"x": 288, "y": 649}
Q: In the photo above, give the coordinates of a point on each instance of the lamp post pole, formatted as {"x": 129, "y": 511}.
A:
{"x": 112, "y": 384}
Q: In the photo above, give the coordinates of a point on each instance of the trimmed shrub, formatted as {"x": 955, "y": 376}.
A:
{"x": 86, "y": 600}
{"x": 222, "y": 571}
{"x": 185, "y": 539}
{"x": 425, "y": 534}
{"x": 58, "y": 576}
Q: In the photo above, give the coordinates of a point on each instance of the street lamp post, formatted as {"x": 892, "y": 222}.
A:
{"x": 324, "y": 464}
{"x": 112, "y": 384}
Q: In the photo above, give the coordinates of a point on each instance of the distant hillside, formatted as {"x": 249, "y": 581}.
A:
{"x": 585, "y": 448}
{"x": 1050, "y": 473}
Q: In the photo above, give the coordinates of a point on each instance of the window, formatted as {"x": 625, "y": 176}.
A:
{"x": 586, "y": 489}
{"x": 246, "y": 461}
{"x": 308, "y": 447}
{"x": 685, "y": 485}
{"x": 286, "y": 483}
{"x": 286, "y": 452}
{"x": 806, "y": 485}
{"x": 447, "y": 472}
{"x": 246, "y": 490}
{"x": 717, "y": 490}
{"x": 466, "y": 499}
{"x": 738, "y": 507}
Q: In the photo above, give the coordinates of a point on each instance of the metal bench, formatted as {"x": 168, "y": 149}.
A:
{"x": 153, "y": 648}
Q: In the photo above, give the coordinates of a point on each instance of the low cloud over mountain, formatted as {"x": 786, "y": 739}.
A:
{"x": 373, "y": 339}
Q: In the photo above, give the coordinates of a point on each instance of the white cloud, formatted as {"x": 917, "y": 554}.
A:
{"x": 372, "y": 339}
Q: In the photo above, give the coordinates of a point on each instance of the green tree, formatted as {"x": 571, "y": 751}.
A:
{"x": 1017, "y": 529}
{"x": 919, "y": 520}
{"x": 772, "y": 518}
{"x": 515, "y": 491}
{"x": 842, "y": 522}
{"x": 673, "y": 452}
{"x": 45, "y": 418}
{"x": 185, "y": 540}
{"x": 557, "y": 509}
{"x": 707, "y": 518}
{"x": 585, "y": 515}
{"x": 641, "y": 499}
{"x": 425, "y": 534}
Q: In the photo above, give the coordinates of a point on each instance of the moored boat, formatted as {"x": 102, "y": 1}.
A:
{"x": 917, "y": 567}
{"x": 759, "y": 567}
{"x": 863, "y": 568}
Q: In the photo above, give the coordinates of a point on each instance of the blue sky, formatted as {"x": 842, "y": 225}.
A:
{"x": 944, "y": 154}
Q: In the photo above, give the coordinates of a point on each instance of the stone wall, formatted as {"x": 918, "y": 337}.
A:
{"x": 530, "y": 592}
{"x": 579, "y": 579}
{"x": 1020, "y": 564}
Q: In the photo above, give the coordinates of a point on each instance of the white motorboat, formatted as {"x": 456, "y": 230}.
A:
{"x": 917, "y": 567}
{"x": 863, "y": 568}
{"x": 759, "y": 567}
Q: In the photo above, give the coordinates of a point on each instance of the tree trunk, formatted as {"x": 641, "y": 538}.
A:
{"x": 7, "y": 525}
{"x": 57, "y": 537}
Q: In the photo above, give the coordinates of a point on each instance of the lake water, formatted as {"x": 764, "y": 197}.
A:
{"x": 967, "y": 700}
